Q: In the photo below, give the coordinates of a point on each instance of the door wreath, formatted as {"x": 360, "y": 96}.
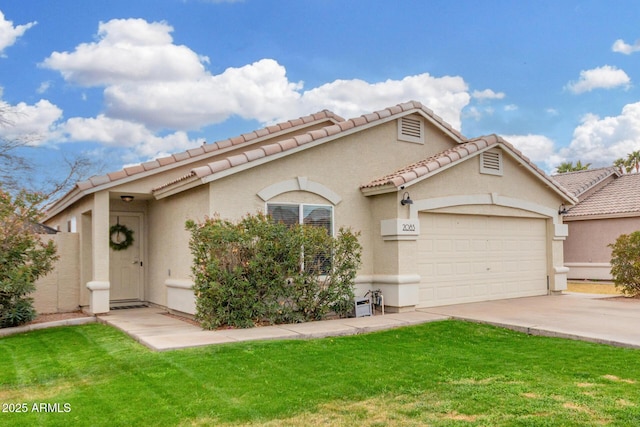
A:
{"x": 120, "y": 237}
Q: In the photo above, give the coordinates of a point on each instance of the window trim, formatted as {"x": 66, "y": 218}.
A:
{"x": 301, "y": 211}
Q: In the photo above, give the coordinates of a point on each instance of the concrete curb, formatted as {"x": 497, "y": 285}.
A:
{"x": 536, "y": 331}
{"x": 46, "y": 325}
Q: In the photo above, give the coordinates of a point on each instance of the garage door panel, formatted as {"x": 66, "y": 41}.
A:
{"x": 466, "y": 258}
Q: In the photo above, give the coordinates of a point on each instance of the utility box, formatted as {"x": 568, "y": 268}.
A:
{"x": 363, "y": 307}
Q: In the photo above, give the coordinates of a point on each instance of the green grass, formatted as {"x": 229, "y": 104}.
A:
{"x": 442, "y": 374}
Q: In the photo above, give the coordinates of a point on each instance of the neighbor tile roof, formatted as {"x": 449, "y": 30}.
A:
{"x": 579, "y": 182}
{"x": 620, "y": 196}
{"x": 311, "y": 136}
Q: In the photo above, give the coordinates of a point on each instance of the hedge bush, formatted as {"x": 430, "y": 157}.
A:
{"x": 256, "y": 271}
{"x": 23, "y": 257}
{"x": 625, "y": 263}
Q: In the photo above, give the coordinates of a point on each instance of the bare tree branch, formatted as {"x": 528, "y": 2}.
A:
{"x": 18, "y": 172}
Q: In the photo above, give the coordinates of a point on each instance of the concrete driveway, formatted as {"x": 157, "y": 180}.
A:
{"x": 597, "y": 318}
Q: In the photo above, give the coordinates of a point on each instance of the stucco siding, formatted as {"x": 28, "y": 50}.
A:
{"x": 168, "y": 240}
{"x": 588, "y": 240}
{"x": 341, "y": 166}
{"x": 59, "y": 290}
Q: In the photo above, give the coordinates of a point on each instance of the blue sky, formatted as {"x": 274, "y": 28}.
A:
{"x": 125, "y": 81}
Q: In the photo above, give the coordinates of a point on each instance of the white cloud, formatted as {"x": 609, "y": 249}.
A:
{"x": 9, "y": 34}
{"x": 120, "y": 133}
{"x": 152, "y": 81}
{"x": 482, "y": 95}
{"x": 34, "y": 123}
{"x": 510, "y": 107}
{"x": 152, "y": 84}
{"x": 606, "y": 77}
{"x": 44, "y": 86}
{"x": 602, "y": 140}
{"x": 540, "y": 149}
{"x": 446, "y": 96}
{"x": 621, "y": 47}
{"x": 258, "y": 91}
{"x": 128, "y": 50}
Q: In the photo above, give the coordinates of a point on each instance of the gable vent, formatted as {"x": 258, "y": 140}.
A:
{"x": 491, "y": 162}
{"x": 411, "y": 129}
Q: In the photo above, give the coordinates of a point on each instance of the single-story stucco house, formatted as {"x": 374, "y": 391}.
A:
{"x": 443, "y": 219}
{"x": 609, "y": 205}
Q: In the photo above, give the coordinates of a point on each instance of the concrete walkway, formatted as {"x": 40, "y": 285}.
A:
{"x": 153, "y": 328}
{"x": 596, "y": 318}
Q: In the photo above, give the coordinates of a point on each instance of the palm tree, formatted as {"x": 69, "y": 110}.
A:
{"x": 569, "y": 167}
{"x": 620, "y": 164}
{"x": 633, "y": 161}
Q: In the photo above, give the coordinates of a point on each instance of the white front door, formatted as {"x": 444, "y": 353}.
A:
{"x": 126, "y": 265}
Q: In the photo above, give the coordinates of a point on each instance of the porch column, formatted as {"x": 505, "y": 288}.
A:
{"x": 396, "y": 274}
{"x": 558, "y": 278}
{"x": 99, "y": 284}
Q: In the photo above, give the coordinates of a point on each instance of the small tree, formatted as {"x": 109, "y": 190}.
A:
{"x": 23, "y": 256}
{"x": 625, "y": 263}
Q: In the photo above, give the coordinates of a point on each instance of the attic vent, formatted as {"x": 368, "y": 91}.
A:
{"x": 411, "y": 129}
{"x": 491, "y": 162}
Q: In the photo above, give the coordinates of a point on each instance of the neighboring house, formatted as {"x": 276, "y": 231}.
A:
{"x": 609, "y": 205}
{"x": 444, "y": 219}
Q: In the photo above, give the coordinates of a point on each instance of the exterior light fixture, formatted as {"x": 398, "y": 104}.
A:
{"x": 562, "y": 210}
{"x": 406, "y": 200}
{"x": 126, "y": 199}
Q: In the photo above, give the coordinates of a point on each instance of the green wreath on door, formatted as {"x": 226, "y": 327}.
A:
{"x": 120, "y": 237}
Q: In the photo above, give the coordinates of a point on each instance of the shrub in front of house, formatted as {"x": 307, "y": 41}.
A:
{"x": 23, "y": 256}
{"x": 256, "y": 271}
{"x": 625, "y": 263}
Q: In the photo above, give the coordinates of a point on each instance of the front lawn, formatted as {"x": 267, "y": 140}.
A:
{"x": 441, "y": 374}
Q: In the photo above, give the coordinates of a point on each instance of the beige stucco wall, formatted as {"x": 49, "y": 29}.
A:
{"x": 168, "y": 240}
{"x": 588, "y": 240}
{"x": 342, "y": 166}
{"x": 466, "y": 180}
{"x": 59, "y": 291}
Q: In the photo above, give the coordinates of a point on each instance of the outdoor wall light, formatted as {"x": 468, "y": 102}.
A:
{"x": 126, "y": 199}
{"x": 406, "y": 200}
{"x": 562, "y": 210}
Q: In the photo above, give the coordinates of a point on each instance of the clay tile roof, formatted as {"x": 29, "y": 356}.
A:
{"x": 430, "y": 164}
{"x": 132, "y": 170}
{"x": 620, "y": 196}
{"x": 113, "y": 176}
{"x": 151, "y": 165}
{"x": 181, "y": 156}
{"x": 99, "y": 180}
{"x": 166, "y": 160}
{"x": 342, "y": 125}
{"x": 581, "y": 181}
{"x": 195, "y": 151}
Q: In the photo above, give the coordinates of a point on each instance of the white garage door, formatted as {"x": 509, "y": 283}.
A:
{"x": 469, "y": 258}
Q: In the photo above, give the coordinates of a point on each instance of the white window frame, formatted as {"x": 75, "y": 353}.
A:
{"x": 301, "y": 211}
